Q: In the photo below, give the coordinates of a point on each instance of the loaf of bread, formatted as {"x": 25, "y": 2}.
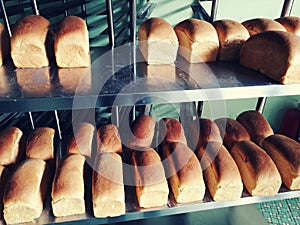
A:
{"x": 34, "y": 82}
{"x": 232, "y": 35}
{"x": 81, "y": 143}
{"x": 11, "y": 150}
{"x": 79, "y": 83}
{"x": 4, "y": 44}
{"x": 256, "y": 124}
{"x": 150, "y": 182}
{"x": 4, "y": 174}
{"x": 231, "y": 131}
{"x": 163, "y": 72}
{"x": 203, "y": 131}
{"x": 198, "y": 40}
{"x": 183, "y": 171}
{"x": 259, "y": 173}
{"x": 107, "y": 186}
{"x": 68, "y": 186}
{"x": 157, "y": 41}
{"x": 142, "y": 132}
{"x": 258, "y": 25}
{"x": 220, "y": 171}
{"x": 109, "y": 139}
{"x": 25, "y": 192}
{"x": 285, "y": 152}
{"x": 171, "y": 130}
{"x": 29, "y": 44}
{"x": 291, "y": 24}
{"x": 40, "y": 144}
{"x": 71, "y": 44}
{"x": 275, "y": 54}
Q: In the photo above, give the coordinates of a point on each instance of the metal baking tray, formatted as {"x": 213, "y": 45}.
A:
{"x": 117, "y": 77}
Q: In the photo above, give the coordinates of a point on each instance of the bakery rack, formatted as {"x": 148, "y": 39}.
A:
{"x": 117, "y": 81}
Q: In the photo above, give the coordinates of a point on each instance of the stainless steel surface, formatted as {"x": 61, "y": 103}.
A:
{"x": 214, "y": 9}
{"x": 5, "y": 17}
{"x": 110, "y": 22}
{"x": 133, "y": 212}
{"x": 54, "y": 89}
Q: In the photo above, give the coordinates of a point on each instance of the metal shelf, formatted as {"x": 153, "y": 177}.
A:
{"x": 114, "y": 80}
{"x": 134, "y": 213}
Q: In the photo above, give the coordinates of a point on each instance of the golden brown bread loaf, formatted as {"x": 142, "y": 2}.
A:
{"x": 171, "y": 130}
{"x": 157, "y": 41}
{"x": 25, "y": 192}
{"x": 259, "y": 173}
{"x": 10, "y": 145}
{"x": 285, "y": 152}
{"x": 183, "y": 171}
{"x": 109, "y": 139}
{"x": 40, "y": 144}
{"x": 4, "y": 44}
{"x": 68, "y": 186}
{"x": 232, "y": 35}
{"x": 107, "y": 186}
{"x": 258, "y": 25}
{"x": 81, "y": 143}
{"x": 71, "y": 45}
{"x": 256, "y": 124}
{"x": 220, "y": 171}
{"x": 142, "y": 129}
{"x": 231, "y": 131}
{"x": 274, "y": 54}
{"x": 149, "y": 176}
{"x": 29, "y": 47}
{"x": 290, "y": 23}
{"x": 198, "y": 40}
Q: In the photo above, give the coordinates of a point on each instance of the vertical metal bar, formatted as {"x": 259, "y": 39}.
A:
{"x": 31, "y": 120}
{"x": 214, "y": 9}
{"x": 66, "y": 11}
{"x": 6, "y": 20}
{"x": 261, "y": 104}
{"x": 35, "y": 7}
{"x": 57, "y": 124}
{"x": 110, "y": 22}
{"x": 287, "y": 8}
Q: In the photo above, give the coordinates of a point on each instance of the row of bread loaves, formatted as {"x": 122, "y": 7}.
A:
{"x": 32, "y": 44}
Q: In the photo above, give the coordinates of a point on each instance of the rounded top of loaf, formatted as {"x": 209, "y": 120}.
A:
{"x": 230, "y": 29}
{"x": 196, "y": 30}
{"x": 157, "y": 29}
{"x": 259, "y": 25}
{"x": 291, "y": 24}
{"x": 71, "y": 24}
{"x": 31, "y": 27}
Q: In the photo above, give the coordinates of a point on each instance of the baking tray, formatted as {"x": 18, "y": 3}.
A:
{"x": 119, "y": 78}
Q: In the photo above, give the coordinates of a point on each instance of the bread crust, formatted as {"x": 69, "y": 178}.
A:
{"x": 171, "y": 130}
{"x": 220, "y": 171}
{"x": 258, "y": 171}
{"x": 256, "y": 125}
{"x": 291, "y": 24}
{"x": 109, "y": 139}
{"x": 183, "y": 171}
{"x": 231, "y": 131}
{"x": 10, "y": 146}
{"x": 232, "y": 35}
{"x": 258, "y": 25}
{"x": 285, "y": 152}
{"x": 25, "y": 192}
{"x": 198, "y": 40}
{"x": 40, "y": 144}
